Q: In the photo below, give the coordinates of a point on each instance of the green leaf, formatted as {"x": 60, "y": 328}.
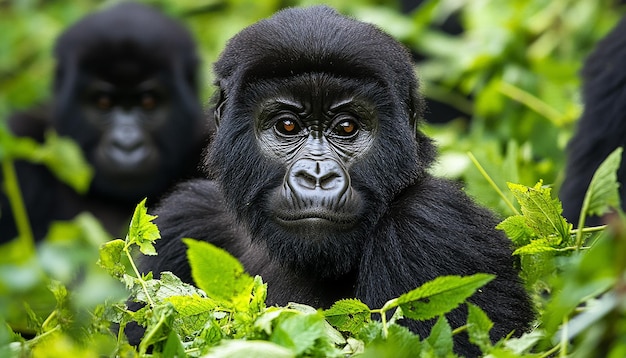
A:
{"x": 191, "y": 305}
{"x": 400, "y": 342}
{"x": 440, "y": 295}
{"x": 516, "y": 229}
{"x": 111, "y": 258}
{"x": 217, "y": 272}
{"x": 524, "y": 343}
{"x": 247, "y": 349}
{"x": 440, "y": 339}
{"x": 542, "y": 213}
{"x": 142, "y": 231}
{"x": 349, "y": 315}
{"x": 478, "y": 328}
{"x": 259, "y": 295}
{"x": 299, "y": 332}
{"x": 65, "y": 159}
{"x": 603, "y": 194}
{"x": 535, "y": 247}
{"x": 173, "y": 346}
{"x": 170, "y": 286}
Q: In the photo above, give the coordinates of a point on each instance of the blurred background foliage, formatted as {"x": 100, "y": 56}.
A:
{"x": 503, "y": 74}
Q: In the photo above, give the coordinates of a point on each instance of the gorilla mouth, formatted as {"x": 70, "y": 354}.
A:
{"x": 128, "y": 158}
{"x": 121, "y": 163}
{"x": 315, "y": 217}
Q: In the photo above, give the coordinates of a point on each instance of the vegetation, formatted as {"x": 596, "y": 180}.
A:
{"x": 512, "y": 72}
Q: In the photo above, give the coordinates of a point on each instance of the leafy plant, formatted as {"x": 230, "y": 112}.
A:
{"x": 226, "y": 314}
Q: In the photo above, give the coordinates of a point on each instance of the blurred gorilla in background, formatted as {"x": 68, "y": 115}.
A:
{"x": 125, "y": 89}
{"x": 320, "y": 180}
{"x": 602, "y": 127}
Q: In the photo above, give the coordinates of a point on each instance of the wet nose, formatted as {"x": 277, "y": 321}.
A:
{"x": 326, "y": 176}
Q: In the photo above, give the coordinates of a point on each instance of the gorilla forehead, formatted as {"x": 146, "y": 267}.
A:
{"x": 126, "y": 30}
{"x": 315, "y": 39}
{"x": 322, "y": 90}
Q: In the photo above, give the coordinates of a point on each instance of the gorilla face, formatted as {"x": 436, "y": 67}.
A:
{"x": 127, "y": 116}
{"x": 316, "y": 136}
{"x": 298, "y": 159}
{"x": 125, "y": 90}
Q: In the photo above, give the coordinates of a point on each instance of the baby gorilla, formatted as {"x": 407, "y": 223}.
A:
{"x": 320, "y": 182}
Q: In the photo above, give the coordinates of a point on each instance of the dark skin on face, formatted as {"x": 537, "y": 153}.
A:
{"x": 317, "y": 136}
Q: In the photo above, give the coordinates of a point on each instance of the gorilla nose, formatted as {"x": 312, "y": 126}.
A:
{"x": 325, "y": 176}
{"x": 127, "y": 138}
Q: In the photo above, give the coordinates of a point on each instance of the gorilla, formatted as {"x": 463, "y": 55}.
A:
{"x": 602, "y": 127}
{"x": 125, "y": 89}
{"x": 319, "y": 178}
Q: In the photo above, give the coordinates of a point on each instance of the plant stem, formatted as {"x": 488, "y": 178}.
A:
{"x": 563, "y": 344}
{"x": 393, "y": 303}
{"x": 136, "y": 271}
{"x": 551, "y": 351}
{"x": 581, "y": 222}
{"x": 14, "y": 194}
{"x": 589, "y": 230}
{"x": 459, "y": 330}
{"x": 492, "y": 183}
{"x": 532, "y": 102}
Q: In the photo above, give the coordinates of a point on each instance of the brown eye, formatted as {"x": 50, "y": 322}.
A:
{"x": 287, "y": 126}
{"x": 148, "y": 102}
{"x": 103, "y": 102}
{"x": 345, "y": 128}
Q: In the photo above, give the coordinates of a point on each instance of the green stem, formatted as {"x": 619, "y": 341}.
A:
{"x": 563, "y": 343}
{"x": 14, "y": 194}
{"x": 49, "y": 319}
{"x": 40, "y": 337}
{"x": 492, "y": 183}
{"x": 550, "y": 352}
{"x": 581, "y": 222}
{"x": 136, "y": 271}
{"x": 532, "y": 102}
{"x": 459, "y": 330}
{"x": 146, "y": 340}
{"x": 589, "y": 230}
{"x": 383, "y": 314}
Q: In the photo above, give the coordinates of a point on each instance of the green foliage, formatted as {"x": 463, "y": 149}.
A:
{"x": 602, "y": 194}
{"x": 223, "y": 278}
{"x": 226, "y": 314}
{"x": 441, "y": 295}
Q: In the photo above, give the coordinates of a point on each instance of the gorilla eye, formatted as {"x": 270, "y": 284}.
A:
{"x": 346, "y": 128}
{"x": 148, "y": 101}
{"x": 287, "y": 126}
{"x": 103, "y": 102}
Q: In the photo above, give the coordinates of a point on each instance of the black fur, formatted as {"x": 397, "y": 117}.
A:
{"x": 411, "y": 227}
{"x": 602, "y": 127}
{"x": 124, "y": 45}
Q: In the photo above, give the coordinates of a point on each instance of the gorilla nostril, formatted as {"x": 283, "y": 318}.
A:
{"x": 305, "y": 179}
{"x": 330, "y": 181}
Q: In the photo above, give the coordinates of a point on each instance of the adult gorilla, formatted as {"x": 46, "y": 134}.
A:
{"x": 321, "y": 182}
{"x": 125, "y": 89}
{"x": 602, "y": 127}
